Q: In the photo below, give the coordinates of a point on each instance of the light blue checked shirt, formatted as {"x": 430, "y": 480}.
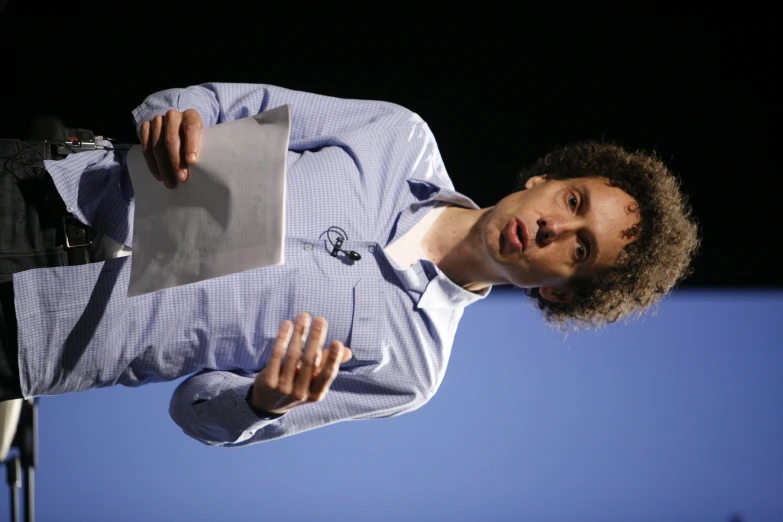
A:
{"x": 371, "y": 168}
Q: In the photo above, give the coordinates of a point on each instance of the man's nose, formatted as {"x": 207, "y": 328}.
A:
{"x": 550, "y": 229}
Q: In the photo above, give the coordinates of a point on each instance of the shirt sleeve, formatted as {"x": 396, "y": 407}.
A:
{"x": 316, "y": 120}
{"x": 211, "y": 407}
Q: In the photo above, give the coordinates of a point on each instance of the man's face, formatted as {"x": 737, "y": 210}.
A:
{"x": 574, "y": 228}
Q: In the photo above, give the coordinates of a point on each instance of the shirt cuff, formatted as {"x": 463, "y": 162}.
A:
{"x": 144, "y": 113}
{"x": 230, "y": 412}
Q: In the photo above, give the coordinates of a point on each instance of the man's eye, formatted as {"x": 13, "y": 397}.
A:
{"x": 572, "y": 201}
{"x": 581, "y": 252}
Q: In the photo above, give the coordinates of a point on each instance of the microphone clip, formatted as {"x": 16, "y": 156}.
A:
{"x": 350, "y": 253}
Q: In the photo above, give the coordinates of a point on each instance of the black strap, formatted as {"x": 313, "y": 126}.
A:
{"x": 77, "y": 238}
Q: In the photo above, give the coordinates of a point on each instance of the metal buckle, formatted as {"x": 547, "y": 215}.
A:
{"x": 79, "y": 225}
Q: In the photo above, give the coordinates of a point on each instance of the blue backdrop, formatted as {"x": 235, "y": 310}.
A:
{"x": 675, "y": 417}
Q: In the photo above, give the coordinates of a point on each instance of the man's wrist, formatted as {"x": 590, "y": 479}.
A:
{"x": 263, "y": 414}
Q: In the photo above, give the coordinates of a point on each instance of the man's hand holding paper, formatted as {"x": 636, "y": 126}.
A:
{"x": 170, "y": 143}
{"x": 228, "y": 218}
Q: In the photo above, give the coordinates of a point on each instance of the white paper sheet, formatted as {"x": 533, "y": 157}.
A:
{"x": 228, "y": 217}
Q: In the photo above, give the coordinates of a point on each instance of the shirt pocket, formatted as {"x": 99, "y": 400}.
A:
{"x": 356, "y": 312}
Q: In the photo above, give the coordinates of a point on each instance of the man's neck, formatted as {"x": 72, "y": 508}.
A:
{"x": 455, "y": 244}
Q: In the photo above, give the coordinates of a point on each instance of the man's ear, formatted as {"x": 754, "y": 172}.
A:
{"x": 535, "y": 180}
{"x": 556, "y": 295}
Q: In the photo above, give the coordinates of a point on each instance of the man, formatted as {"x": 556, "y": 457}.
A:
{"x": 594, "y": 233}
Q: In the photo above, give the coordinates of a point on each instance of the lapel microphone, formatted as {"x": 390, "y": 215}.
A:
{"x": 350, "y": 253}
{"x": 339, "y": 242}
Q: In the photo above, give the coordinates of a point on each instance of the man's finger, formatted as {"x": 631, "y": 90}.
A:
{"x": 332, "y": 367}
{"x": 272, "y": 369}
{"x": 310, "y": 359}
{"x": 173, "y": 123}
{"x": 146, "y": 149}
{"x": 192, "y": 126}
{"x": 294, "y": 354}
{"x": 161, "y": 154}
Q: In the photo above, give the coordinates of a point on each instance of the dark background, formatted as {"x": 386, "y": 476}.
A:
{"x": 497, "y": 91}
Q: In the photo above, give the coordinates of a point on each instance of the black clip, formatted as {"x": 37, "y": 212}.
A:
{"x": 76, "y": 234}
{"x": 78, "y": 140}
{"x": 338, "y": 243}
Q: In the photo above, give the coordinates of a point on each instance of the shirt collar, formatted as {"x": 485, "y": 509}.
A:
{"x": 427, "y": 192}
{"x": 424, "y": 279}
{"x": 442, "y": 292}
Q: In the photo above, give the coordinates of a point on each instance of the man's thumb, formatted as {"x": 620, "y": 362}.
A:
{"x": 347, "y": 354}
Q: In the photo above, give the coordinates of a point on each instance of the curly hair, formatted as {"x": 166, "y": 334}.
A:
{"x": 667, "y": 236}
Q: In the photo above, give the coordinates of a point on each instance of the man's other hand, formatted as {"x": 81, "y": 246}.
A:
{"x": 304, "y": 376}
{"x": 170, "y": 143}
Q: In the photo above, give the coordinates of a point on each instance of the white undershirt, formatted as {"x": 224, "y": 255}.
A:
{"x": 403, "y": 252}
{"x": 407, "y": 250}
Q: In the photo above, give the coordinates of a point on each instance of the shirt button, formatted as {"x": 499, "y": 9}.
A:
{"x": 195, "y": 397}
{"x": 69, "y": 208}
{"x": 308, "y": 247}
{"x": 371, "y": 249}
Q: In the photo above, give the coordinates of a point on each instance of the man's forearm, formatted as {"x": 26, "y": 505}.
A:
{"x": 315, "y": 118}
